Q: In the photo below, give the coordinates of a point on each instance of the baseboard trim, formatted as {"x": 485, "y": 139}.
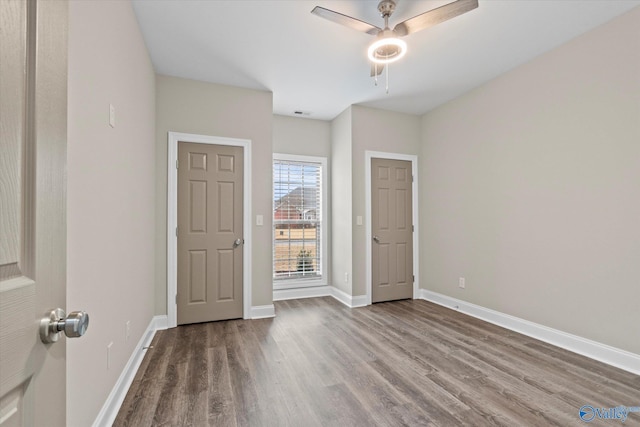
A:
{"x": 263, "y": 311}
{"x": 616, "y": 357}
{"x": 348, "y": 300}
{"x": 160, "y": 322}
{"x": 359, "y": 301}
{"x": 109, "y": 411}
{"x": 299, "y": 293}
{"x": 321, "y": 291}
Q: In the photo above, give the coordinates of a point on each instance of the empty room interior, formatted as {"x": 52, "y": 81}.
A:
{"x": 327, "y": 213}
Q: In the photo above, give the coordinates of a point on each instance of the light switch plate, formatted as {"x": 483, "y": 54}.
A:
{"x": 259, "y": 220}
{"x": 109, "y": 355}
{"x": 112, "y": 116}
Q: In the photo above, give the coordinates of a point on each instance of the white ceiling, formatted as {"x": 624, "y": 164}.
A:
{"x": 316, "y": 66}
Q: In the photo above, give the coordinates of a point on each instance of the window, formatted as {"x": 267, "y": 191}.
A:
{"x": 299, "y": 232}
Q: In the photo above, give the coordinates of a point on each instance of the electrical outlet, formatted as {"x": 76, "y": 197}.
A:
{"x": 109, "y": 355}
{"x": 461, "y": 283}
{"x": 127, "y": 330}
{"x": 346, "y": 277}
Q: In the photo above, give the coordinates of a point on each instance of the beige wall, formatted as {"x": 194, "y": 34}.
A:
{"x": 341, "y": 203}
{"x": 530, "y": 190}
{"x": 375, "y": 130}
{"x": 209, "y": 109}
{"x": 306, "y": 137}
{"x": 111, "y": 184}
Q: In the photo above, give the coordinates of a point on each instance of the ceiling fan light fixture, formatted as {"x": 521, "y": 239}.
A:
{"x": 387, "y": 50}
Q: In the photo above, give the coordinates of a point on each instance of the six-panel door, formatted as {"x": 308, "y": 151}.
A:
{"x": 392, "y": 230}
{"x": 210, "y": 237}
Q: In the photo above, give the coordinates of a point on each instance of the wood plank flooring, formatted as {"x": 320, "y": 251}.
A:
{"x": 403, "y": 363}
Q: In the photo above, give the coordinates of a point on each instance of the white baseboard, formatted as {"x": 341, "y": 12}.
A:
{"x": 263, "y": 311}
{"x": 298, "y": 293}
{"x": 359, "y": 301}
{"x": 160, "y": 322}
{"x": 109, "y": 411}
{"x": 348, "y": 300}
{"x": 601, "y": 352}
{"x": 321, "y": 291}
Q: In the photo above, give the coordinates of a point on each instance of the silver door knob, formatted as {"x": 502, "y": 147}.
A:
{"x": 376, "y": 239}
{"x": 237, "y": 243}
{"x": 56, "y": 320}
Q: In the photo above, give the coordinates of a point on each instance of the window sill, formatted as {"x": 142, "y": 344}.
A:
{"x": 301, "y": 283}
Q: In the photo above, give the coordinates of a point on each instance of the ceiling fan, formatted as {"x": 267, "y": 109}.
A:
{"x": 388, "y": 46}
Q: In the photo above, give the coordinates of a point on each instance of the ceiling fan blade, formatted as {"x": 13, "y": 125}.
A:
{"x": 434, "y": 16}
{"x": 345, "y": 20}
{"x": 378, "y": 68}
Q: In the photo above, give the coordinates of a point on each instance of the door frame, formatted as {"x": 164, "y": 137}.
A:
{"x": 172, "y": 218}
{"x": 368, "y": 155}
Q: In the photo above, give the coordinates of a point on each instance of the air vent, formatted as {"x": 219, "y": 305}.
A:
{"x": 302, "y": 113}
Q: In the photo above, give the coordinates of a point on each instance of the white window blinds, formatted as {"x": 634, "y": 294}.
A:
{"x": 297, "y": 220}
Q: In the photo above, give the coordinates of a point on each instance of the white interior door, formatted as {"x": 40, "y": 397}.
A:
{"x": 33, "y": 123}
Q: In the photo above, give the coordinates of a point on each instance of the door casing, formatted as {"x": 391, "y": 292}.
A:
{"x": 368, "y": 155}
{"x": 172, "y": 218}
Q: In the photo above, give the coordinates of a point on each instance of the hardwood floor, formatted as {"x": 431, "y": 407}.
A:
{"x": 319, "y": 363}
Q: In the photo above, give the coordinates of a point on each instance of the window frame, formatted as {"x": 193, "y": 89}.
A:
{"x": 287, "y": 283}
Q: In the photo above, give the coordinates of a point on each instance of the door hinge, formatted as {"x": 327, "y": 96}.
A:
{"x": 411, "y": 178}
{"x": 176, "y": 298}
{"x": 176, "y": 164}
{"x": 413, "y": 228}
{"x": 413, "y": 278}
{"x": 176, "y": 231}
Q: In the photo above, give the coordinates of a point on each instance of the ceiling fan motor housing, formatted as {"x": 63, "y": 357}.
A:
{"x": 386, "y": 8}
